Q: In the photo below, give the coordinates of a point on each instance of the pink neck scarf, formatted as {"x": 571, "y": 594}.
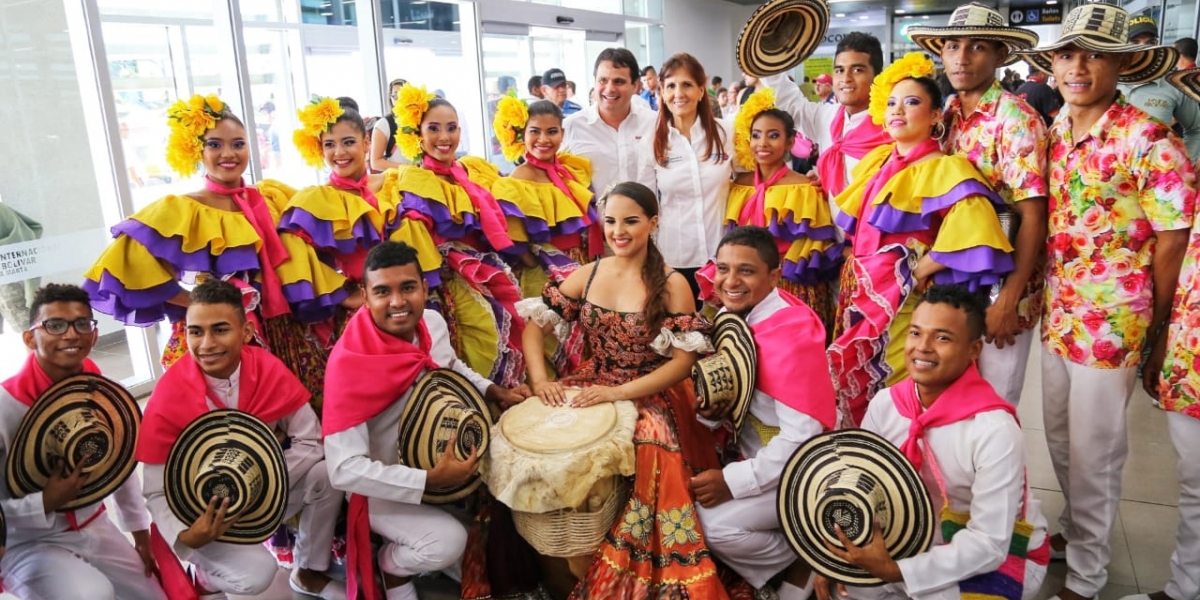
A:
{"x": 355, "y": 185}
{"x": 753, "y": 212}
{"x": 272, "y": 254}
{"x": 968, "y": 396}
{"x": 491, "y": 216}
{"x": 831, "y": 165}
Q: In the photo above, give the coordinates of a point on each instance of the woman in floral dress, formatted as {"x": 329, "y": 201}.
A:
{"x": 642, "y": 335}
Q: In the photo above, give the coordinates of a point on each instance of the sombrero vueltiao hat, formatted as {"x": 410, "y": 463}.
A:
{"x": 1105, "y": 28}
{"x": 1186, "y": 81}
{"x": 229, "y": 454}
{"x": 79, "y": 416}
{"x": 443, "y": 404}
{"x": 781, "y": 34}
{"x": 852, "y": 478}
{"x": 727, "y": 376}
{"x": 975, "y": 21}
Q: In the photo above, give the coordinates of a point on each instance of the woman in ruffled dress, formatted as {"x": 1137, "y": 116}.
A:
{"x": 226, "y": 230}
{"x": 771, "y": 195}
{"x": 450, "y": 200}
{"x": 912, "y": 216}
{"x": 553, "y": 189}
{"x": 642, "y": 334}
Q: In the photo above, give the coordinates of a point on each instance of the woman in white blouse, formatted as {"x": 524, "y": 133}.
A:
{"x": 687, "y": 161}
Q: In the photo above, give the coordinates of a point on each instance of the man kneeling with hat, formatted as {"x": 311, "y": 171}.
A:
{"x": 58, "y": 547}
{"x": 964, "y": 440}
{"x": 222, "y": 371}
{"x": 790, "y": 401}
{"x": 387, "y": 345}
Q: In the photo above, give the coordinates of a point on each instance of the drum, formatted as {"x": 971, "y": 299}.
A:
{"x": 561, "y": 470}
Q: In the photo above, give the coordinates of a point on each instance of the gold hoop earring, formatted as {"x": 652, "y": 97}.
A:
{"x": 938, "y": 131}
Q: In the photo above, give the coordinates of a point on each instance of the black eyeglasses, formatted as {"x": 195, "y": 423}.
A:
{"x": 59, "y": 326}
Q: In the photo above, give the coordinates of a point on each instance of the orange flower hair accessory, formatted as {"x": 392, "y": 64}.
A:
{"x": 315, "y": 118}
{"x": 760, "y": 100}
{"x": 188, "y": 120}
{"x": 411, "y": 104}
{"x": 511, "y": 116}
{"x": 914, "y": 64}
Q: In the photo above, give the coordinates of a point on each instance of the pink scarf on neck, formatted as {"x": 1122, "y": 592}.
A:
{"x": 31, "y": 381}
{"x": 831, "y": 165}
{"x": 559, "y": 175}
{"x": 754, "y": 211}
{"x": 491, "y": 216}
{"x": 355, "y": 185}
{"x": 272, "y": 254}
{"x": 968, "y": 396}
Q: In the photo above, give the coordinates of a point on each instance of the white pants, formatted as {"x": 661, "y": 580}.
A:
{"x": 745, "y": 534}
{"x": 1185, "y": 561}
{"x": 96, "y": 562}
{"x": 1004, "y": 368}
{"x": 421, "y": 538}
{"x": 249, "y": 569}
{"x": 1086, "y": 432}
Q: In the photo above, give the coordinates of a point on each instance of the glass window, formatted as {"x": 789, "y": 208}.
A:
{"x": 1179, "y": 20}
{"x": 272, "y": 57}
{"x": 605, "y": 6}
{"x": 647, "y": 9}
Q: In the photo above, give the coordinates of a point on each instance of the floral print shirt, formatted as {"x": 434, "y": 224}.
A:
{"x": 1110, "y": 191}
{"x": 1006, "y": 140}
{"x": 1180, "y": 384}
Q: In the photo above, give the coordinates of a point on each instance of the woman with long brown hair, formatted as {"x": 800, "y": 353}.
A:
{"x": 643, "y": 335}
{"x": 688, "y": 163}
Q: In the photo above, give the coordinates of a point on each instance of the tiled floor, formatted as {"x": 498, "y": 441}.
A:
{"x": 1142, "y": 538}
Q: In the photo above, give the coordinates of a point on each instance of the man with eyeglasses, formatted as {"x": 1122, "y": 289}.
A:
{"x": 79, "y": 553}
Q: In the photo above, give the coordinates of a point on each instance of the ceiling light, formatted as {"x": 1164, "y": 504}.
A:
{"x": 899, "y": 11}
{"x": 926, "y": 17}
{"x": 863, "y": 17}
{"x": 840, "y": 15}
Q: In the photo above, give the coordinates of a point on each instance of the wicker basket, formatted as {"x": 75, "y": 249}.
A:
{"x": 571, "y": 532}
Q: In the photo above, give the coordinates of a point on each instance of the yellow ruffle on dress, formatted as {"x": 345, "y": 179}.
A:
{"x": 549, "y": 212}
{"x": 448, "y": 207}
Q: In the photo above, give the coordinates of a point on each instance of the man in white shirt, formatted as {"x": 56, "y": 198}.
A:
{"x": 385, "y": 347}
{"x": 790, "y": 405}
{"x": 843, "y": 130}
{"x": 77, "y": 553}
{"x": 964, "y": 440}
{"x": 222, "y": 371}
{"x": 607, "y": 132}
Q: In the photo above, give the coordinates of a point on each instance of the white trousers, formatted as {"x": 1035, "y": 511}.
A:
{"x": 1086, "y": 432}
{"x": 249, "y": 569}
{"x": 96, "y": 562}
{"x": 421, "y": 538}
{"x": 1004, "y": 368}
{"x": 1185, "y": 560}
{"x": 745, "y": 534}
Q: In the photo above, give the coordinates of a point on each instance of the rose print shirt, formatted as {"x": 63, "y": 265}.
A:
{"x": 1110, "y": 191}
{"x": 1006, "y": 141}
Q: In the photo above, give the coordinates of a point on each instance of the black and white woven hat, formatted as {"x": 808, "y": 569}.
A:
{"x": 1105, "y": 28}
{"x": 781, "y": 34}
{"x": 852, "y": 478}
{"x": 976, "y": 21}
{"x": 81, "y": 416}
{"x": 229, "y": 454}
{"x": 444, "y": 405}
{"x": 727, "y": 376}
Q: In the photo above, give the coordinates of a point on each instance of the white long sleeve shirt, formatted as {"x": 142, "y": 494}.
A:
{"x": 26, "y": 517}
{"x": 612, "y": 151}
{"x": 301, "y": 427}
{"x": 693, "y": 189}
{"x": 363, "y": 459}
{"x": 760, "y": 471}
{"x": 982, "y": 460}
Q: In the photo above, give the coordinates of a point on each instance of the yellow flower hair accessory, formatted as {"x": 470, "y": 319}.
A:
{"x": 411, "y": 104}
{"x": 914, "y": 64}
{"x": 315, "y": 118}
{"x": 188, "y": 120}
{"x": 511, "y": 116}
{"x": 763, "y": 99}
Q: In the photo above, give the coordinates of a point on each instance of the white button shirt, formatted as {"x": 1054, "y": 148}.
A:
{"x": 982, "y": 460}
{"x": 612, "y": 151}
{"x": 763, "y": 466}
{"x": 693, "y": 189}
{"x": 363, "y": 459}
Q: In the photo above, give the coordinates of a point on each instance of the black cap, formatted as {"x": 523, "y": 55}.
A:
{"x": 1142, "y": 24}
{"x": 554, "y": 78}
